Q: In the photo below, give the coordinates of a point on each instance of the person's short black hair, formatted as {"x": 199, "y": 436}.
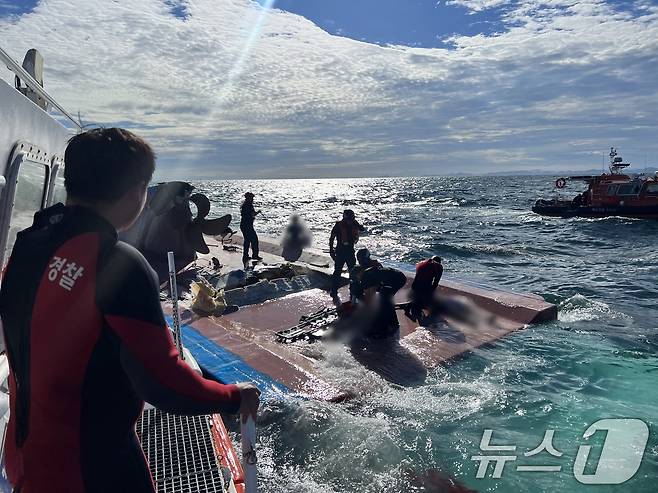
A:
{"x": 104, "y": 163}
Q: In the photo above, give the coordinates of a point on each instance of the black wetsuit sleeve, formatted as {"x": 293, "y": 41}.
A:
{"x": 438, "y": 273}
{"x": 334, "y": 234}
{"x": 128, "y": 297}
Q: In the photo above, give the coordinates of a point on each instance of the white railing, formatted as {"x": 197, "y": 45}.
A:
{"x": 22, "y": 74}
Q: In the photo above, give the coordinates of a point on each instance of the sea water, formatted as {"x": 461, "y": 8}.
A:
{"x": 598, "y": 360}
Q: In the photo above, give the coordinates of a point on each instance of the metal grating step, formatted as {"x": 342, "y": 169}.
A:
{"x": 180, "y": 453}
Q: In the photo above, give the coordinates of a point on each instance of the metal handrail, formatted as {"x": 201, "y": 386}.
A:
{"x": 22, "y": 74}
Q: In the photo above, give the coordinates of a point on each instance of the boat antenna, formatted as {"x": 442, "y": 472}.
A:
{"x": 30, "y": 82}
{"x": 173, "y": 288}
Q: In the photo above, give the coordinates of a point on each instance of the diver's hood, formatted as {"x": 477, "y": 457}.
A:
{"x": 167, "y": 224}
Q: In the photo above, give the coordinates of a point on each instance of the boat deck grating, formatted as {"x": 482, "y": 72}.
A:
{"x": 180, "y": 452}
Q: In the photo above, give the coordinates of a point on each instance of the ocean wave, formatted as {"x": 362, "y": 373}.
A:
{"x": 468, "y": 250}
{"x": 579, "y": 308}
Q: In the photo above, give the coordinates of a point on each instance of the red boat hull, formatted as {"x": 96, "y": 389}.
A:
{"x": 567, "y": 209}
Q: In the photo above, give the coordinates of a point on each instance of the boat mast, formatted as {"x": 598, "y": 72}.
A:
{"x": 27, "y": 78}
{"x": 616, "y": 162}
{"x": 613, "y": 154}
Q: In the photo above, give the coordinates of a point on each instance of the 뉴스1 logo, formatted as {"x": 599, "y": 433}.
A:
{"x": 619, "y": 460}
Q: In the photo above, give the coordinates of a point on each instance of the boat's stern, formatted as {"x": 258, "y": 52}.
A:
{"x": 554, "y": 208}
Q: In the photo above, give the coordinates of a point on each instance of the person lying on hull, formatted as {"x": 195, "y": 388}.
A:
{"x": 86, "y": 338}
{"x": 423, "y": 288}
{"x": 426, "y": 307}
{"x": 344, "y": 235}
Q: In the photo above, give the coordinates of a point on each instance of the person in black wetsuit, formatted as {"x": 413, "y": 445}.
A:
{"x": 366, "y": 265}
{"x": 344, "y": 234}
{"x": 371, "y": 277}
{"x": 85, "y": 334}
{"x": 247, "y": 216}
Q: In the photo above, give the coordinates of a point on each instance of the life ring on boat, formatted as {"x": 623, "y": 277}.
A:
{"x": 560, "y": 183}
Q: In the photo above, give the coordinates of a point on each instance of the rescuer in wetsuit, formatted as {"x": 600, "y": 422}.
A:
{"x": 428, "y": 275}
{"x": 371, "y": 276}
{"x": 365, "y": 266}
{"x": 85, "y": 334}
{"x": 345, "y": 233}
{"x": 247, "y": 216}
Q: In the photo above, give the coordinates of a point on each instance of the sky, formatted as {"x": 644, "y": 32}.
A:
{"x": 347, "y": 88}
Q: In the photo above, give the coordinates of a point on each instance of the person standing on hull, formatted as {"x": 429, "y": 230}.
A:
{"x": 428, "y": 275}
{"x": 86, "y": 338}
{"x": 344, "y": 234}
{"x": 247, "y": 216}
{"x": 295, "y": 239}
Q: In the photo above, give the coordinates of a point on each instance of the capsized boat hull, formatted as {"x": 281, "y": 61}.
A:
{"x": 566, "y": 209}
{"x": 243, "y": 346}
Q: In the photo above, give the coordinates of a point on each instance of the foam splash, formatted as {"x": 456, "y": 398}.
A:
{"x": 579, "y": 308}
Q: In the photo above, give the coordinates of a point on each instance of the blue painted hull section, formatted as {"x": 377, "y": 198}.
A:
{"x": 225, "y": 366}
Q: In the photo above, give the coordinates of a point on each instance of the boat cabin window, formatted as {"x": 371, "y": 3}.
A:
{"x": 612, "y": 189}
{"x": 58, "y": 191}
{"x": 652, "y": 189}
{"x": 28, "y": 199}
{"x": 629, "y": 189}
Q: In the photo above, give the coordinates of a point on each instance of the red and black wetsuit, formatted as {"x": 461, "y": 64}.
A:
{"x": 87, "y": 343}
{"x": 428, "y": 275}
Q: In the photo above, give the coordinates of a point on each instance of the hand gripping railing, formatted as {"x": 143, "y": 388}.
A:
{"x": 247, "y": 422}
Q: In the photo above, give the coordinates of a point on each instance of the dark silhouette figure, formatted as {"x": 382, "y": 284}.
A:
{"x": 345, "y": 234}
{"x": 295, "y": 239}
{"x": 371, "y": 277}
{"x": 247, "y": 216}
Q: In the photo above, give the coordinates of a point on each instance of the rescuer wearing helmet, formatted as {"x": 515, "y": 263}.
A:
{"x": 344, "y": 234}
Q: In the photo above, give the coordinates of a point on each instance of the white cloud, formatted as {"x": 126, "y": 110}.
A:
{"x": 233, "y": 91}
{"x": 478, "y": 5}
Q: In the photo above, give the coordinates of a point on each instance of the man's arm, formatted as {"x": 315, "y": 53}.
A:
{"x": 438, "y": 272}
{"x": 332, "y": 237}
{"x": 127, "y": 294}
{"x": 160, "y": 377}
